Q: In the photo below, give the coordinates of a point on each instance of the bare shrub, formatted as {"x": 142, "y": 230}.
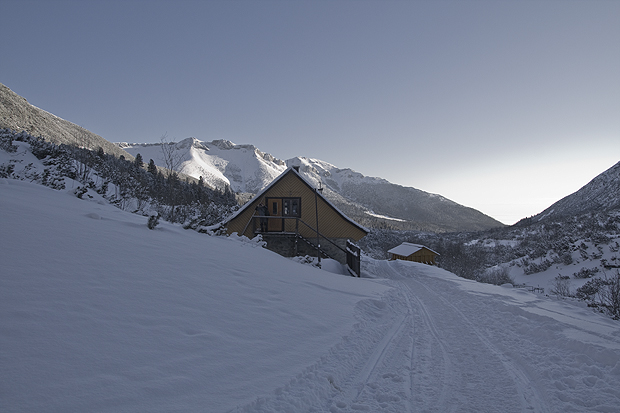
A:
{"x": 496, "y": 275}
{"x": 561, "y": 286}
{"x": 603, "y": 293}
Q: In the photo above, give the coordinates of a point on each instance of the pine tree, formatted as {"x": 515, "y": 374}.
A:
{"x": 152, "y": 168}
{"x": 138, "y": 161}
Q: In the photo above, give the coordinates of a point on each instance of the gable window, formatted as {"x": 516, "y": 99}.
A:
{"x": 291, "y": 207}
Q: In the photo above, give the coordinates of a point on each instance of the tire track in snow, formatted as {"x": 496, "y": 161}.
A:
{"x": 382, "y": 383}
{"x": 529, "y": 397}
{"x": 421, "y": 359}
{"x": 369, "y": 371}
{"x": 441, "y": 404}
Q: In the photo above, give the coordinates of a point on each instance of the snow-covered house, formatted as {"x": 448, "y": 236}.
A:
{"x": 294, "y": 218}
{"x": 414, "y": 252}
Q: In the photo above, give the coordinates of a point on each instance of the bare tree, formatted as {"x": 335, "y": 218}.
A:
{"x": 172, "y": 159}
{"x": 82, "y": 155}
{"x": 561, "y": 286}
{"x": 609, "y": 294}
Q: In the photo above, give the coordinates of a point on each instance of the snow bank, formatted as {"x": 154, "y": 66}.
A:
{"x": 102, "y": 314}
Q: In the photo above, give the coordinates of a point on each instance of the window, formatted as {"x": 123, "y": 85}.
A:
{"x": 290, "y": 207}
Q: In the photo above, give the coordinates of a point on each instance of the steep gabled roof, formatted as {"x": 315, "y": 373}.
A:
{"x": 406, "y": 249}
{"x": 292, "y": 170}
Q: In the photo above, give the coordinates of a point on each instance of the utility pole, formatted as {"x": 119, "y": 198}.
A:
{"x": 316, "y": 210}
{"x": 318, "y": 241}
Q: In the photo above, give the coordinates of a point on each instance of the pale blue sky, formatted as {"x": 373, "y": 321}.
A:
{"x": 504, "y": 106}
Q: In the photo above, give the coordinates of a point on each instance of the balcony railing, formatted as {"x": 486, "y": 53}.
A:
{"x": 279, "y": 225}
{"x": 283, "y": 225}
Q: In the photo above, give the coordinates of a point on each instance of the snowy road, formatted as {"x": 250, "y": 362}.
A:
{"x": 452, "y": 362}
{"x": 430, "y": 347}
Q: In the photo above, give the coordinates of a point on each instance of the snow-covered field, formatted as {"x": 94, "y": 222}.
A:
{"x": 101, "y": 314}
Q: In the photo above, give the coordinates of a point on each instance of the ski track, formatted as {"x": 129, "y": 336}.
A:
{"x": 424, "y": 348}
{"x": 529, "y": 397}
{"x": 422, "y": 389}
{"x": 427, "y": 355}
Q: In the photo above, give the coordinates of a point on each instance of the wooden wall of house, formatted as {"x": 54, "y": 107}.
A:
{"x": 331, "y": 223}
{"x": 424, "y": 256}
{"x": 238, "y": 223}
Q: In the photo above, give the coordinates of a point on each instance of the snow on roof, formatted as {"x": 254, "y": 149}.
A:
{"x": 406, "y": 249}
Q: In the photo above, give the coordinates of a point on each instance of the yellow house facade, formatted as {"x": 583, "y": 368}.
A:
{"x": 294, "y": 217}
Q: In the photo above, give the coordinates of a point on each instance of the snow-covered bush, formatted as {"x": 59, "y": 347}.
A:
{"x": 6, "y": 171}
{"x": 6, "y": 142}
{"x": 80, "y": 191}
{"x": 566, "y": 258}
{"x": 586, "y": 272}
{"x": 496, "y": 275}
{"x": 533, "y": 268}
{"x": 153, "y": 221}
{"x": 307, "y": 260}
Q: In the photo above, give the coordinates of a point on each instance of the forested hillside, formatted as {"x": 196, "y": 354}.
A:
{"x": 131, "y": 185}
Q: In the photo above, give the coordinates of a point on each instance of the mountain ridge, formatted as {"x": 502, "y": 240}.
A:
{"x": 602, "y": 193}
{"x": 371, "y": 201}
{"x": 17, "y": 114}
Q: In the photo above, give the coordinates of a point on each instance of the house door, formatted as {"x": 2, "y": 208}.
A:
{"x": 275, "y": 210}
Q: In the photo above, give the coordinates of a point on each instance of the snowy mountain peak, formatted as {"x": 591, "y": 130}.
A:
{"x": 365, "y": 199}
{"x": 221, "y": 163}
{"x": 223, "y": 144}
{"x": 191, "y": 143}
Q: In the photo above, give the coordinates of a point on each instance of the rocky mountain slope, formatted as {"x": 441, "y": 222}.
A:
{"x": 601, "y": 194}
{"x": 19, "y": 115}
{"x": 371, "y": 201}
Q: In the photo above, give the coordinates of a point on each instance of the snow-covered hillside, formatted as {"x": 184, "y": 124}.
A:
{"x": 578, "y": 249}
{"x": 244, "y": 168}
{"x": 601, "y": 194}
{"x": 19, "y": 115}
{"x": 577, "y": 257}
{"x": 368, "y": 200}
{"x": 101, "y": 314}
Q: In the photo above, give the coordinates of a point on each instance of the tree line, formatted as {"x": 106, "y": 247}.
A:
{"x": 129, "y": 184}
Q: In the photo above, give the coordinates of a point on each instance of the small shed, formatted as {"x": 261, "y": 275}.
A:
{"x": 414, "y": 252}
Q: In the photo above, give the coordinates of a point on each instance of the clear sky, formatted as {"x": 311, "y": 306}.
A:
{"x": 503, "y": 106}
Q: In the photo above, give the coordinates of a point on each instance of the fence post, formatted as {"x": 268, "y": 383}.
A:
{"x": 353, "y": 258}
